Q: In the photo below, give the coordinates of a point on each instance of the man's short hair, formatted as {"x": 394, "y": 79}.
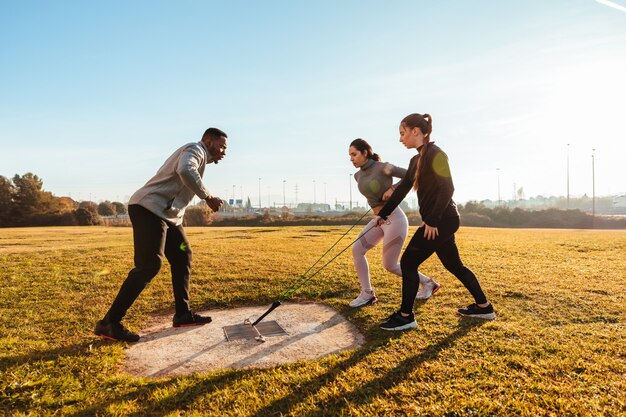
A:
{"x": 214, "y": 133}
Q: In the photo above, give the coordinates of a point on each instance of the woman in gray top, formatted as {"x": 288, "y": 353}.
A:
{"x": 374, "y": 180}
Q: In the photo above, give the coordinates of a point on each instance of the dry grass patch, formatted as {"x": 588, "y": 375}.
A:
{"x": 557, "y": 347}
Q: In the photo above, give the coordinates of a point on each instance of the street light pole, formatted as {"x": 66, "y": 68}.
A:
{"x": 284, "y": 181}
{"x": 314, "y": 193}
{"x": 350, "y": 191}
{"x": 568, "y": 176}
{"x": 593, "y": 183}
{"x": 259, "y": 193}
{"x": 499, "y": 199}
{"x": 324, "y": 193}
{"x": 234, "y": 201}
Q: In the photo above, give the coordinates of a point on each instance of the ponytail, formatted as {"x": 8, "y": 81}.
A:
{"x": 419, "y": 163}
{"x": 425, "y": 124}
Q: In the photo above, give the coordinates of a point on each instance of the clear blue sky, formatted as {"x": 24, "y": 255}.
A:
{"x": 95, "y": 95}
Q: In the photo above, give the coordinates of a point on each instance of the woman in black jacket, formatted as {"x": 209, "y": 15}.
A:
{"x": 429, "y": 175}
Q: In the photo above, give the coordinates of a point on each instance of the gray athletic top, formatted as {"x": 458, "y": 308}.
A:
{"x": 374, "y": 178}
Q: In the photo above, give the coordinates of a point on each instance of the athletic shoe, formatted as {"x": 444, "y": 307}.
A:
{"x": 115, "y": 331}
{"x": 473, "y": 310}
{"x": 427, "y": 289}
{"x": 190, "y": 319}
{"x": 364, "y": 298}
{"x": 397, "y": 322}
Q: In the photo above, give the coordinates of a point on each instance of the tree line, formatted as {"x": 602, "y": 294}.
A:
{"x": 472, "y": 214}
{"x": 23, "y": 202}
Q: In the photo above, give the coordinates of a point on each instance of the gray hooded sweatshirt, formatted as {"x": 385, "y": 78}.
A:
{"x": 172, "y": 188}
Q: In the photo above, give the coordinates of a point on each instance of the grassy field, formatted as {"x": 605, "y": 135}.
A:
{"x": 557, "y": 347}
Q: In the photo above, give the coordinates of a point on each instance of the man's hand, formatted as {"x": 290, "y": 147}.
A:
{"x": 214, "y": 203}
{"x": 430, "y": 233}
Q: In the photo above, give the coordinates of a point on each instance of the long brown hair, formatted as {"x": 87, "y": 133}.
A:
{"x": 425, "y": 124}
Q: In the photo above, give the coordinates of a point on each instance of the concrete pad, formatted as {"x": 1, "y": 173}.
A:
{"x": 312, "y": 330}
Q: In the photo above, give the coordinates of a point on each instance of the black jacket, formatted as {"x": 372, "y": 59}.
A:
{"x": 434, "y": 194}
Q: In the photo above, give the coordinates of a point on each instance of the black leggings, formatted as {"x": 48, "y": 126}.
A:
{"x": 153, "y": 239}
{"x": 420, "y": 249}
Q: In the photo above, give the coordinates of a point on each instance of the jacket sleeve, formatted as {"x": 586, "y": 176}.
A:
{"x": 445, "y": 187}
{"x": 187, "y": 169}
{"x": 394, "y": 171}
{"x": 402, "y": 189}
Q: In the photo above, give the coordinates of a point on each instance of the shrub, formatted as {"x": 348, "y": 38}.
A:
{"x": 476, "y": 220}
{"x": 87, "y": 216}
{"x": 197, "y": 216}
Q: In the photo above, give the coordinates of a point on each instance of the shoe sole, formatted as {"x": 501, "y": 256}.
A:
{"x": 488, "y": 316}
{"x": 407, "y": 326}
{"x": 370, "y": 301}
{"x": 116, "y": 340}
{"x": 437, "y": 288}
{"x": 191, "y": 324}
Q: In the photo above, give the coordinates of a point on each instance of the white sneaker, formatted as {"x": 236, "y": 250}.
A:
{"x": 427, "y": 289}
{"x": 364, "y": 298}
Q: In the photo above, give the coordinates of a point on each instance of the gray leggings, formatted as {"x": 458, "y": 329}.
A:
{"x": 393, "y": 234}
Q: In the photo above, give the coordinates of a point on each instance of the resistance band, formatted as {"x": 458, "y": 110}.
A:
{"x": 303, "y": 279}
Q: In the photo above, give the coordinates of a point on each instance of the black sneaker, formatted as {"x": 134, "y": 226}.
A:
{"x": 190, "y": 319}
{"x": 473, "y": 310}
{"x": 397, "y": 322}
{"x": 115, "y": 331}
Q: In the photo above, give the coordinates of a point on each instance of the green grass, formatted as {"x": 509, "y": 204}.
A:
{"x": 557, "y": 347}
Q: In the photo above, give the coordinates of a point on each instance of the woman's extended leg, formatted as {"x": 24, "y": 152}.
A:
{"x": 369, "y": 237}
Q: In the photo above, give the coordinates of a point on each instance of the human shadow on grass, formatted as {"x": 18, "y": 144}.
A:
{"x": 362, "y": 394}
{"x": 299, "y": 392}
{"x": 183, "y": 398}
{"x": 21, "y": 396}
{"x": 179, "y": 399}
{"x": 84, "y": 347}
{"x": 165, "y": 331}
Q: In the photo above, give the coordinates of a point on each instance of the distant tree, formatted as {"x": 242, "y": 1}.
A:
{"x": 87, "y": 214}
{"x": 30, "y": 199}
{"x": 6, "y": 201}
{"x": 106, "y": 208}
{"x": 27, "y": 194}
{"x": 65, "y": 204}
{"x": 248, "y": 204}
{"x": 89, "y": 205}
{"x": 120, "y": 208}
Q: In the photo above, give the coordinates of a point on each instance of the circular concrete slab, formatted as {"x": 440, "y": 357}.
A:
{"x": 312, "y": 330}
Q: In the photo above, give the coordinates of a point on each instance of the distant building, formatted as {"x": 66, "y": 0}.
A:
{"x": 236, "y": 203}
{"x": 619, "y": 201}
{"x": 312, "y": 208}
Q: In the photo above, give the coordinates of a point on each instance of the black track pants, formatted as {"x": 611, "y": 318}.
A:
{"x": 420, "y": 249}
{"x": 154, "y": 238}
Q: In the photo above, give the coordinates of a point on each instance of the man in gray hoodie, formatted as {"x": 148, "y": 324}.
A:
{"x": 156, "y": 211}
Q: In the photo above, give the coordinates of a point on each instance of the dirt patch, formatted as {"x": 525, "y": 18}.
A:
{"x": 313, "y": 330}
